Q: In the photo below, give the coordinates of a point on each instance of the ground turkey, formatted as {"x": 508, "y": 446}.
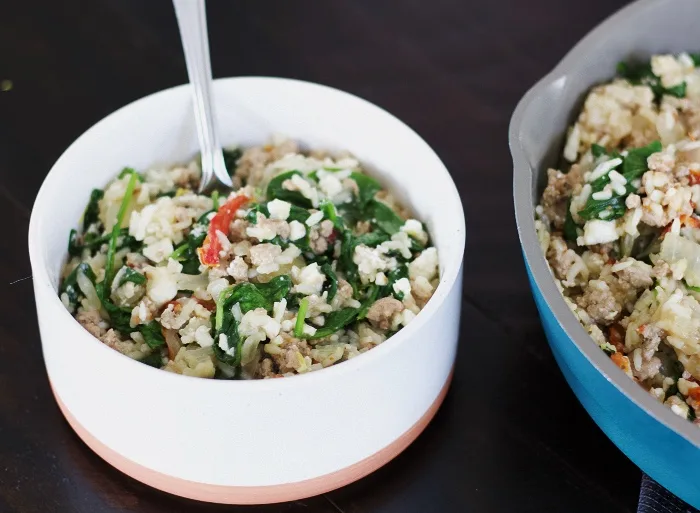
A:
{"x": 600, "y": 303}
{"x": 381, "y": 312}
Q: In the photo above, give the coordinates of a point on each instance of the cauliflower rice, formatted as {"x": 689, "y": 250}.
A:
{"x": 309, "y": 262}
{"x": 619, "y": 225}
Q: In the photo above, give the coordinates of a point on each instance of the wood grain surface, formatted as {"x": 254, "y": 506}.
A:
{"x": 510, "y": 437}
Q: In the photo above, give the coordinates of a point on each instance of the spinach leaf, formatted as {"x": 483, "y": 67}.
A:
{"x": 331, "y": 284}
{"x": 152, "y": 334}
{"x": 130, "y": 171}
{"x": 230, "y": 330}
{"x": 635, "y": 164}
{"x": 231, "y": 158}
{"x": 109, "y": 265}
{"x": 74, "y": 248}
{"x": 132, "y": 276}
{"x": 642, "y": 74}
{"x": 593, "y": 208}
{"x": 371, "y": 239}
{"x": 275, "y": 290}
{"x": 384, "y": 217}
{"x": 570, "y": 232}
{"x": 186, "y": 253}
{"x": 334, "y": 321}
{"x": 394, "y": 276}
{"x": 696, "y": 59}
{"x": 258, "y": 208}
{"x": 70, "y": 284}
{"x": 367, "y": 188}
{"x": 597, "y": 150}
{"x": 225, "y": 324}
{"x": 345, "y": 262}
{"x": 301, "y": 317}
{"x": 330, "y": 213}
{"x": 119, "y": 318}
{"x": 92, "y": 211}
{"x": 298, "y": 214}
{"x": 155, "y": 359}
{"x": 257, "y": 295}
{"x": 276, "y": 191}
{"x": 372, "y": 296}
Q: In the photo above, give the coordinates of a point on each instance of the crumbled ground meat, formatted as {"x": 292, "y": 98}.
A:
{"x": 566, "y": 263}
{"x": 651, "y": 338}
{"x": 362, "y": 227}
{"x": 287, "y": 359}
{"x": 251, "y": 166}
{"x": 381, "y": 312}
{"x": 557, "y": 193}
{"x": 661, "y": 269}
{"x": 237, "y": 230}
{"x": 319, "y": 236}
{"x": 264, "y": 254}
{"x": 92, "y": 322}
{"x": 600, "y": 303}
{"x": 637, "y": 275}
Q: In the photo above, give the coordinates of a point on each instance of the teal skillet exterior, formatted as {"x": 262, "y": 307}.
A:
{"x": 657, "y": 450}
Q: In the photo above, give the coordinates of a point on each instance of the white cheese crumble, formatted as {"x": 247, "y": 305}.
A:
{"x": 596, "y": 231}
{"x": 296, "y": 230}
{"x": 426, "y": 265}
{"x": 279, "y": 209}
{"x": 223, "y": 344}
{"x": 161, "y": 286}
{"x": 158, "y": 251}
{"x": 329, "y": 184}
{"x": 308, "y": 280}
{"x": 381, "y": 279}
{"x": 402, "y": 286}
{"x": 314, "y": 218}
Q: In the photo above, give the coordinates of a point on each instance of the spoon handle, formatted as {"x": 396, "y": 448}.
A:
{"x": 192, "y": 20}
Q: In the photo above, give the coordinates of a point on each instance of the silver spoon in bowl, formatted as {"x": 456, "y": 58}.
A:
{"x": 192, "y": 20}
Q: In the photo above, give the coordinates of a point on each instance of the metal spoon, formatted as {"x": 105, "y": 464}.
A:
{"x": 192, "y": 20}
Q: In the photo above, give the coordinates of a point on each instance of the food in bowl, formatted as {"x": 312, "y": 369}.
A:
{"x": 307, "y": 263}
{"x": 619, "y": 225}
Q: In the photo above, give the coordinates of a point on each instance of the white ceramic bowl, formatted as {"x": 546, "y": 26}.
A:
{"x": 249, "y": 441}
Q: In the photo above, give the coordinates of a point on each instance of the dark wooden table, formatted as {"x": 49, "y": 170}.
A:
{"x": 510, "y": 436}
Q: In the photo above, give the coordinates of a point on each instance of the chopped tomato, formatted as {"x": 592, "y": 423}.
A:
{"x": 621, "y": 361}
{"x": 616, "y": 335}
{"x": 209, "y": 252}
{"x": 332, "y": 237}
{"x": 694, "y": 178}
{"x": 694, "y": 393}
{"x": 691, "y": 221}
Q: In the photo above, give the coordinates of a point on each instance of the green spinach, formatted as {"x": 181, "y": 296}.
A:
{"x": 335, "y": 321}
{"x": 92, "y": 211}
{"x": 331, "y": 284}
{"x": 276, "y": 191}
{"x": 130, "y": 275}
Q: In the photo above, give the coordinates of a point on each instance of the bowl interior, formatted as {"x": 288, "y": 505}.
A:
{"x": 159, "y": 129}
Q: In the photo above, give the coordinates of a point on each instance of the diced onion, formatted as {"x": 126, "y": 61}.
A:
{"x": 675, "y": 248}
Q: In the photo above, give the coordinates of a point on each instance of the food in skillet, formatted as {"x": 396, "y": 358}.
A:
{"x": 309, "y": 262}
{"x": 619, "y": 225}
